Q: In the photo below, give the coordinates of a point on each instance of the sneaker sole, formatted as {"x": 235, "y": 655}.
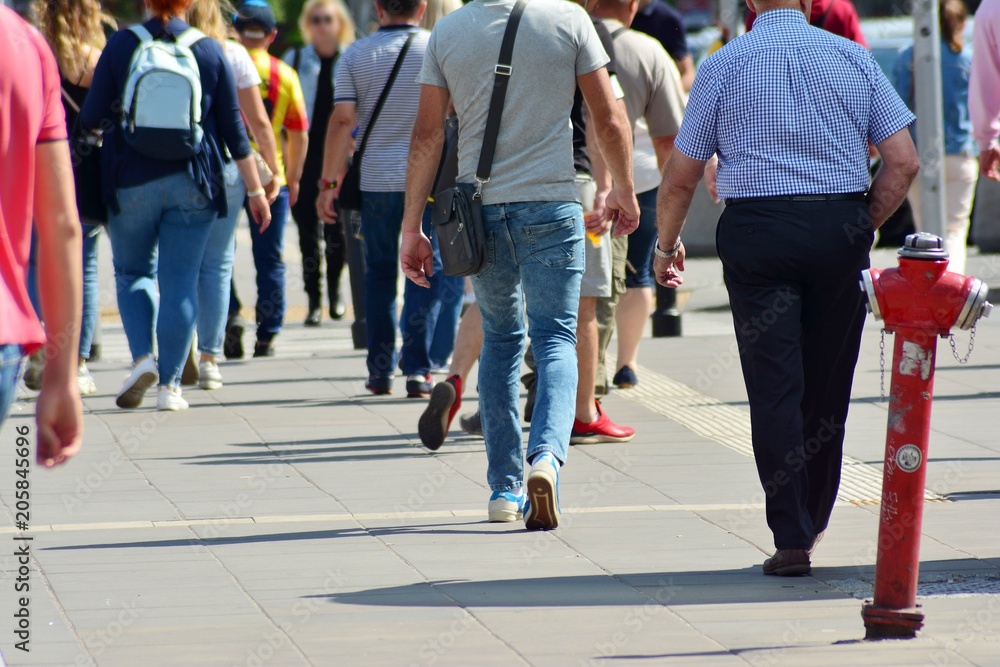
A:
{"x": 172, "y": 408}
{"x": 132, "y": 397}
{"x": 504, "y": 516}
{"x": 433, "y": 424}
{"x": 797, "y": 570}
{"x": 210, "y": 385}
{"x": 544, "y": 507}
{"x": 598, "y": 439}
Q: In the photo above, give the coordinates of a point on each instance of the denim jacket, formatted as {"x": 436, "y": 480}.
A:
{"x": 955, "y": 69}
{"x": 308, "y": 70}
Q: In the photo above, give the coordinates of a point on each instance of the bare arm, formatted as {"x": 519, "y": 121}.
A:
{"x": 900, "y": 165}
{"x": 336, "y": 149}
{"x": 295, "y": 161}
{"x": 614, "y": 137}
{"x": 259, "y": 125}
{"x": 680, "y": 178}
{"x": 662, "y": 146}
{"x": 686, "y": 68}
{"x": 59, "y": 413}
{"x": 426, "y": 143}
{"x": 598, "y": 222}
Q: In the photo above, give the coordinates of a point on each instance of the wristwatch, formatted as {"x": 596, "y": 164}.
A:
{"x": 327, "y": 185}
{"x": 662, "y": 254}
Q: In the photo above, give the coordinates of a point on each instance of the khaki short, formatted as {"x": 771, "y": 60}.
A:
{"x": 597, "y": 275}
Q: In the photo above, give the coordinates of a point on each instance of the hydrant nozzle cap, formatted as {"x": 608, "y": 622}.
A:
{"x": 923, "y": 246}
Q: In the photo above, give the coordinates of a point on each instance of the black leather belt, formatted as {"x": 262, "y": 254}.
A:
{"x": 854, "y": 196}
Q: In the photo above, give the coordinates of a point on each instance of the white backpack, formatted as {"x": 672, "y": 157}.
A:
{"x": 161, "y": 105}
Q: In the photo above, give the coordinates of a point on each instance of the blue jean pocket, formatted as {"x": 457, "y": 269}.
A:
{"x": 129, "y": 199}
{"x": 552, "y": 244}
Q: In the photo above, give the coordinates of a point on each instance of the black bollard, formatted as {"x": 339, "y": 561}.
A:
{"x": 356, "y": 268}
{"x": 666, "y": 317}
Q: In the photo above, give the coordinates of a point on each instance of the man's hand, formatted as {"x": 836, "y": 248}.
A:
{"x": 325, "y": 208}
{"x": 989, "y": 162}
{"x": 59, "y": 415}
{"x": 261, "y": 211}
{"x": 417, "y": 257}
{"x": 272, "y": 190}
{"x": 668, "y": 270}
{"x": 622, "y": 202}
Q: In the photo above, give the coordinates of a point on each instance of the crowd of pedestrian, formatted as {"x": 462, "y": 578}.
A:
{"x": 569, "y": 126}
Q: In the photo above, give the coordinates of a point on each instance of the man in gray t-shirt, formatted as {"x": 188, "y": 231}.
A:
{"x": 532, "y": 216}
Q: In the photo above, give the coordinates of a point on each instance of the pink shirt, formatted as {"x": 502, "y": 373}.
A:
{"x": 31, "y": 113}
{"x": 984, "y": 81}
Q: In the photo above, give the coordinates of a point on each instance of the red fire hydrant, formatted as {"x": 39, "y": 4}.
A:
{"x": 918, "y": 301}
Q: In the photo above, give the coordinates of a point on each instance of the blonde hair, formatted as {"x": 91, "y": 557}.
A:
{"x": 208, "y": 16}
{"x": 437, "y": 10}
{"x": 346, "y": 35}
{"x": 73, "y": 28}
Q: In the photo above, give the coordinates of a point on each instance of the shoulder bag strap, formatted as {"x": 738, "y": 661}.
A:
{"x": 501, "y": 78}
{"x": 385, "y": 92}
{"x": 296, "y": 58}
{"x": 617, "y": 33}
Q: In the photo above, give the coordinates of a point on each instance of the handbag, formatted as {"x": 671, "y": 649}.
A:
{"x": 85, "y": 153}
{"x": 458, "y": 211}
{"x": 350, "y": 187}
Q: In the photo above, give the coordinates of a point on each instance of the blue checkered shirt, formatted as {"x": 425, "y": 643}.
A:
{"x": 790, "y": 110}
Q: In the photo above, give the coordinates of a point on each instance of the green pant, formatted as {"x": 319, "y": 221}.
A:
{"x": 606, "y": 308}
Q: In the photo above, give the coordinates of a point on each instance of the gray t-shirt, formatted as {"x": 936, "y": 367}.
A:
{"x": 556, "y": 42}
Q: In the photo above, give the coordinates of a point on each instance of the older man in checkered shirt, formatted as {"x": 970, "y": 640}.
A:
{"x": 790, "y": 110}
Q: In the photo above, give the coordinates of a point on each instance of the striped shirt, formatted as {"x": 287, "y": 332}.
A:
{"x": 363, "y": 73}
{"x": 790, "y": 110}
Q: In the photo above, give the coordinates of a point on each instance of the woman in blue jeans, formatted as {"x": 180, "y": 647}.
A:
{"x": 161, "y": 210}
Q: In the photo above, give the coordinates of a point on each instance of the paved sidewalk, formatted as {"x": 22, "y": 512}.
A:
{"x": 288, "y": 519}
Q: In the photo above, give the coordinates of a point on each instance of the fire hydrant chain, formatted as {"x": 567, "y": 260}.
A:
{"x": 968, "y": 353}
{"x": 881, "y": 363}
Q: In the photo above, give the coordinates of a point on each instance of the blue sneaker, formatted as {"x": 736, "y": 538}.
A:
{"x": 541, "y": 511}
{"x": 506, "y": 506}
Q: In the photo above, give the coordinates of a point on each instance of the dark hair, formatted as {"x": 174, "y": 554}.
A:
{"x": 400, "y": 8}
{"x": 953, "y": 14}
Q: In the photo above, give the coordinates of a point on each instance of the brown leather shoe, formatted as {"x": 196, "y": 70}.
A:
{"x": 788, "y": 563}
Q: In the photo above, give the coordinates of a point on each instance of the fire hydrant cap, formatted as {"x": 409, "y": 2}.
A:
{"x": 922, "y": 245}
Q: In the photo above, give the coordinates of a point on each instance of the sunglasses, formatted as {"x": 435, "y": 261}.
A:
{"x": 320, "y": 20}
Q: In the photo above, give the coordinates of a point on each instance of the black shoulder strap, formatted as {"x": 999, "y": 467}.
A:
{"x": 501, "y": 78}
{"x": 618, "y": 32}
{"x": 385, "y": 92}
{"x": 821, "y": 24}
{"x": 297, "y": 58}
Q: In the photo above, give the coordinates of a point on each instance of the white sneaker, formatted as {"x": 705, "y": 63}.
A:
{"x": 169, "y": 399}
{"x": 209, "y": 377}
{"x": 143, "y": 376}
{"x": 85, "y": 381}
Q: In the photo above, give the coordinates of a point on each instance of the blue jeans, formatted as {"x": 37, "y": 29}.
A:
{"x": 535, "y": 257}
{"x": 381, "y": 223}
{"x": 217, "y": 268}
{"x": 10, "y": 368}
{"x": 91, "y": 292}
{"x": 159, "y": 236}
{"x": 267, "y": 249}
{"x": 641, "y": 242}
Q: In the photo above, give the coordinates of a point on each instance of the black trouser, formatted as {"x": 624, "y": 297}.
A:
{"x": 792, "y": 271}
{"x": 310, "y": 230}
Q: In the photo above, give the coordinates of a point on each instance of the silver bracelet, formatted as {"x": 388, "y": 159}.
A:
{"x": 664, "y": 254}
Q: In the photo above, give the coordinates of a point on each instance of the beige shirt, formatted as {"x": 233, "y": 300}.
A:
{"x": 650, "y": 79}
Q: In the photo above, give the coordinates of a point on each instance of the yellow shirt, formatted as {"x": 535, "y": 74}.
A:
{"x": 283, "y": 99}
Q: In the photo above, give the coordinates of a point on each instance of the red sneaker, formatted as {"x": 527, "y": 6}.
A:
{"x": 446, "y": 399}
{"x": 602, "y": 430}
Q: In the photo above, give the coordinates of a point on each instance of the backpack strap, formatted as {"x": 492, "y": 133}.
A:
{"x": 189, "y": 37}
{"x": 141, "y": 32}
{"x": 821, "y": 23}
{"x": 296, "y": 58}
